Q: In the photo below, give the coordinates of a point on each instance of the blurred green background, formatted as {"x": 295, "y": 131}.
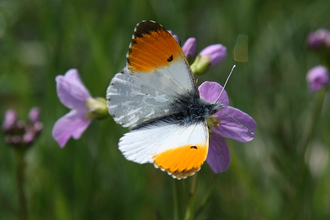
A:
{"x": 272, "y": 177}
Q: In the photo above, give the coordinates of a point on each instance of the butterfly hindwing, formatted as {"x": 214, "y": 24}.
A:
{"x": 179, "y": 150}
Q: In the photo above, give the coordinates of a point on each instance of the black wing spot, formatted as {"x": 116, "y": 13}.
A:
{"x": 170, "y": 58}
{"x": 193, "y": 147}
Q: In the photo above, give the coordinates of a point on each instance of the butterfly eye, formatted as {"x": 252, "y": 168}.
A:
{"x": 170, "y": 58}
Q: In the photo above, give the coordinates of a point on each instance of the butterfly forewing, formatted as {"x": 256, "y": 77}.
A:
{"x": 156, "y": 75}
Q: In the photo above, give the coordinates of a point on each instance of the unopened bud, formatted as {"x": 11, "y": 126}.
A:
{"x": 208, "y": 58}
{"x": 189, "y": 49}
{"x": 34, "y": 115}
{"x": 10, "y": 121}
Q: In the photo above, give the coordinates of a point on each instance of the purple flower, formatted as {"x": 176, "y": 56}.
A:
{"x": 189, "y": 48}
{"x": 74, "y": 95}
{"x": 319, "y": 38}
{"x": 317, "y": 78}
{"x": 216, "y": 53}
{"x": 228, "y": 122}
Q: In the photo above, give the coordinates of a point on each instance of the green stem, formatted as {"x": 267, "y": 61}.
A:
{"x": 305, "y": 184}
{"x": 207, "y": 197}
{"x": 312, "y": 124}
{"x": 178, "y": 196}
{"x": 20, "y": 172}
{"x": 192, "y": 198}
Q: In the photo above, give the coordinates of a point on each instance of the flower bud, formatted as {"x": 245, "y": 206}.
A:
{"x": 208, "y": 58}
{"x": 189, "y": 49}
{"x": 28, "y": 138}
{"x": 175, "y": 37}
{"x": 317, "y": 78}
{"x": 34, "y": 115}
{"x": 216, "y": 53}
{"x": 9, "y": 123}
{"x": 319, "y": 39}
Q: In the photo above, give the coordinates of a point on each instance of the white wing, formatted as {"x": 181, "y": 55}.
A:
{"x": 179, "y": 150}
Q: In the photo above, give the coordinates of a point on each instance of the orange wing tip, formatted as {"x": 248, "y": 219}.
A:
{"x": 181, "y": 162}
{"x": 152, "y": 47}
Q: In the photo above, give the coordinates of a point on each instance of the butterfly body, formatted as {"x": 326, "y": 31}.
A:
{"x": 157, "y": 98}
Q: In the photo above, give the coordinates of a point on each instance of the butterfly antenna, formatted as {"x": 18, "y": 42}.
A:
{"x": 223, "y": 88}
{"x": 252, "y": 133}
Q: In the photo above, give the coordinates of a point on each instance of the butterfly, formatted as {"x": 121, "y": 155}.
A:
{"x": 156, "y": 97}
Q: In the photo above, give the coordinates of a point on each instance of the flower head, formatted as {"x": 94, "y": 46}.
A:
{"x": 317, "y": 78}
{"x": 73, "y": 94}
{"x": 208, "y": 58}
{"x": 18, "y": 133}
{"x": 228, "y": 122}
{"x": 319, "y": 39}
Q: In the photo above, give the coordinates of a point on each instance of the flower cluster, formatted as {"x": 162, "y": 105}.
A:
{"x": 208, "y": 58}
{"x": 319, "y": 39}
{"x": 19, "y": 133}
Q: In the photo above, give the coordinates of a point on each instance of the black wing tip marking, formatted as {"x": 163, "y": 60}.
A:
{"x": 146, "y": 27}
{"x": 142, "y": 28}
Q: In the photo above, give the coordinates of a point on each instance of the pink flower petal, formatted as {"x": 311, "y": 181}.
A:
{"x": 210, "y": 91}
{"x": 236, "y": 130}
{"x": 71, "y": 91}
{"x": 71, "y": 124}
{"x": 218, "y": 156}
{"x": 72, "y": 75}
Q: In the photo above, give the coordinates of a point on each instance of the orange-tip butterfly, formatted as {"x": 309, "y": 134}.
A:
{"x": 155, "y": 96}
